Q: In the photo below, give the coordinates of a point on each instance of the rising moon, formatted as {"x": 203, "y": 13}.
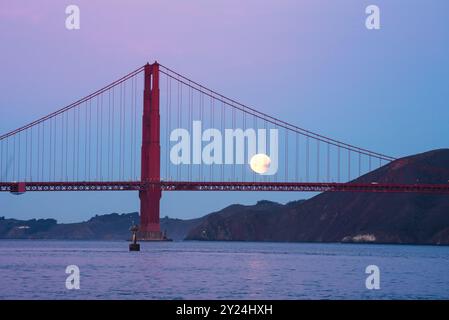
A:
{"x": 260, "y": 163}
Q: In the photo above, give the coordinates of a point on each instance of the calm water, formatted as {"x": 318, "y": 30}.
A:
{"x": 220, "y": 270}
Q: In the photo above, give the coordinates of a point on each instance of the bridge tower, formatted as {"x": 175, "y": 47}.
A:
{"x": 151, "y": 156}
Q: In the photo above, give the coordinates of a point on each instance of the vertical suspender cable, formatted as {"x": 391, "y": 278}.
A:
{"x": 26, "y": 156}
{"x": 178, "y": 118}
{"x": 180, "y": 123}
{"x": 360, "y": 164}
{"x": 286, "y": 154}
{"x": 43, "y": 148}
{"x": 85, "y": 143}
{"x": 169, "y": 127}
{"x": 74, "y": 144}
{"x": 338, "y": 165}
{"x": 318, "y": 161}
{"x": 349, "y": 165}
{"x": 55, "y": 148}
{"x": 121, "y": 133}
{"x": 31, "y": 155}
{"x": 212, "y": 114}
{"x": 167, "y": 138}
{"x": 112, "y": 135}
{"x": 109, "y": 137}
{"x": 135, "y": 127}
{"x": 124, "y": 131}
{"x": 18, "y": 158}
{"x": 307, "y": 158}
{"x": 98, "y": 141}
{"x": 61, "y": 176}
{"x": 328, "y": 162}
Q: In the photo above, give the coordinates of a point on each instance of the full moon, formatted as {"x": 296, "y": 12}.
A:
{"x": 260, "y": 163}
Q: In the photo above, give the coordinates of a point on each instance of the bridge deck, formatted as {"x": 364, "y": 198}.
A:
{"x": 20, "y": 187}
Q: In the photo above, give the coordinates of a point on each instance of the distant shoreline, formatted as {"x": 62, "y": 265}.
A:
{"x": 237, "y": 241}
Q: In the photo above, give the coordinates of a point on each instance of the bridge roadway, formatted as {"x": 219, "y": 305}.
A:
{"x": 21, "y": 187}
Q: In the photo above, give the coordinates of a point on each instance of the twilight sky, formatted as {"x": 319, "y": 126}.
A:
{"x": 311, "y": 62}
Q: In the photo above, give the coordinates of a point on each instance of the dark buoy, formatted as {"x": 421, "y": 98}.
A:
{"x": 134, "y": 246}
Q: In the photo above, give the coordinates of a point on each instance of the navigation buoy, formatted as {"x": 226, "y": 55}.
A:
{"x": 134, "y": 246}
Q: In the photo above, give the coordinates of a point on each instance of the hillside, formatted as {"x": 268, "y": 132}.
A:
{"x": 104, "y": 227}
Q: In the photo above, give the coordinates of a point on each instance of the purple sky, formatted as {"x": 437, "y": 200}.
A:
{"x": 311, "y": 62}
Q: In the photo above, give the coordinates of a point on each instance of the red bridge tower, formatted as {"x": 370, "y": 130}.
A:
{"x": 151, "y": 156}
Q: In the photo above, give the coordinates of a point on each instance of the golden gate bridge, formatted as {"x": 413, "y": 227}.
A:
{"x": 106, "y": 141}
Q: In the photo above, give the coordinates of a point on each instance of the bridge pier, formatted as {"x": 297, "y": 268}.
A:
{"x": 150, "y": 228}
{"x": 151, "y": 156}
